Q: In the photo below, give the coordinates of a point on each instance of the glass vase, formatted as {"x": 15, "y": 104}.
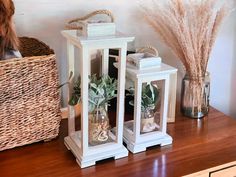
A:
{"x": 98, "y": 126}
{"x": 148, "y": 123}
{"x": 195, "y": 96}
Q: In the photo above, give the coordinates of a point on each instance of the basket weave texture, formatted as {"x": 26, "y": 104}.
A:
{"x": 29, "y": 96}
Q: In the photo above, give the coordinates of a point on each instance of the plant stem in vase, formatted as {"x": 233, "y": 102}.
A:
{"x": 190, "y": 106}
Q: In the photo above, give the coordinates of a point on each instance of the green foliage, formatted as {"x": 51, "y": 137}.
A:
{"x": 75, "y": 98}
{"x": 150, "y": 95}
{"x": 101, "y": 91}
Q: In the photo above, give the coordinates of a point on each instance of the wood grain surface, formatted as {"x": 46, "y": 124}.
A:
{"x": 198, "y": 145}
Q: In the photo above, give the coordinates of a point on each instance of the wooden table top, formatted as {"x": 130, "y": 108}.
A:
{"x": 197, "y": 145}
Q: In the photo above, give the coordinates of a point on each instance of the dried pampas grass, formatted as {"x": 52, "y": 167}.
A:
{"x": 189, "y": 28}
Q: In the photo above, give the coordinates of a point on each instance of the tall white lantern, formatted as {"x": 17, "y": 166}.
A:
{"x": 77, "y": 141}
{"x": 136, "y": 134}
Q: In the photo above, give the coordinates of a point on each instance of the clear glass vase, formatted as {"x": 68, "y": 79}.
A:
{"x": 195, "y": 96}
{"x": 148, "y": 123}
{"x": 98, "y": 126}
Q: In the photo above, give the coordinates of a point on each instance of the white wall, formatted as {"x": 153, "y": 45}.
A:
{"x": 233, "y": 79}
{"x": 222, "y": 66}
{"x": 45, "y": 19}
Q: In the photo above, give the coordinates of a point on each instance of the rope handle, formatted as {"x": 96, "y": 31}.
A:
{"x": 151, "y": 49}
{"x": 72, "y": 23}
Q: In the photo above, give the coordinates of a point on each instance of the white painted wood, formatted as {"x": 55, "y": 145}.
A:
{"x": 71, "y": 120}
{"x": 104, "y": 42}
{"x": 84, "y": 52}
{"x": 172, "y": 98}
{"x": 105, "y": 61}
{"x": 164, "y": 104}
{"x": 142, "y": 61}
{"x": 137, "y": 142}
{"x": 121, "y": 93}
{"x": 71, "y": 69}
{"x": 91, "y": 159}
{"x": 105, "y": 64}
{"x": 135, "y": 147}
{"x": 77, "y": 142}
{"x": 71, "y": 36}
{"x": 164, "y": 69}
{"x": 137, "y": 109}
{"x": 93, "y": 150}
{"x": 98, "y": 29}
{"x": 153, "y": 74}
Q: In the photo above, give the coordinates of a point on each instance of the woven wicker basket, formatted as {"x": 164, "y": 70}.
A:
{"x": 29, "y": 96}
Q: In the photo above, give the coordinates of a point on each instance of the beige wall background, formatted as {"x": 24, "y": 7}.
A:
{"x": 44, "y": 19}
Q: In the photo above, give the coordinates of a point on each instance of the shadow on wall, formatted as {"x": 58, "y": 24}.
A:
{"x": 233, "y": 84}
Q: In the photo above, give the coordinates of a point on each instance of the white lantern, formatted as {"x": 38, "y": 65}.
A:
{"x": 78, "y": 141}
{"x": 143, "y": 132}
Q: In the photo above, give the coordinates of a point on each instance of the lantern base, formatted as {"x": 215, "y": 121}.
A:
{"x": 94, "y": 153}
{"x": 135, "y": 147}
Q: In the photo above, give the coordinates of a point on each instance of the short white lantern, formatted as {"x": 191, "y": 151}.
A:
{"x": 78, "y": 141}
{"x": 135, "y": 135}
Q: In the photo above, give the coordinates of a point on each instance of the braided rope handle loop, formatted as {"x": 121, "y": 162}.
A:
{"x": 149, "y": 49}
{"x": 76, "y": 23}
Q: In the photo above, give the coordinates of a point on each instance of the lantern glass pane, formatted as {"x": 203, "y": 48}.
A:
{"x": 102, "y": 113}
{"x": 151, "y": 97}
{"x": 129, "y": 106}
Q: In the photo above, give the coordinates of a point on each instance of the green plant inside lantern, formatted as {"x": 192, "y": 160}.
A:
{"x": 100, "y": 91}
{"x": 149, "y": 99}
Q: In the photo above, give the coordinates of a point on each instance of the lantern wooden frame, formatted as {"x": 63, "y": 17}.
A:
{"x": 77, "y": 141}
{"x": 137, "y": 142}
